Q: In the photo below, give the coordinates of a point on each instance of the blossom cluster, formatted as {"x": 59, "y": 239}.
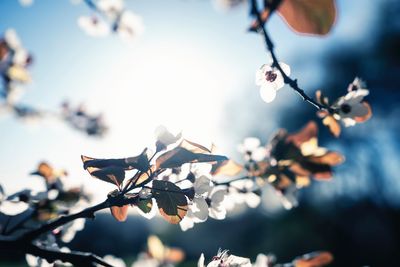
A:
{"x": 111, "y": 16}
{"x": 349, "y": 109}
{"x": 27, "y": 209}
{"x": 225, "y": 259}
{"x": 15, "y": 61}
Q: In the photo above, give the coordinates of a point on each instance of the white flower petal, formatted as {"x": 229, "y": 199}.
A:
{"x": 114, "y": 261}
{"x": 217, "y": 197}
{"x": 13, "y": 208}
{"x": 348, "y": 122}
{"x": 259, "y": 153}
{"x": 130, "y": 26}
{"x": 268, "y": 94}
{"x": 252, "y": 199}
{"x": 200, "y": 262}
{"x": 93, "y": 26}
{"x": 218, "y": 213}
{"x": 202, "y": 185}
{"x": 186, "y": 223}
{"x": 12, "y": 39}
{"x": 199, "y": 209}
{"x": 285, "y": 68}
{"x": 235, "y": 261}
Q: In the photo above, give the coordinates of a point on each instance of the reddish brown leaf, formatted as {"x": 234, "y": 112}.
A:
{"x": 330, "y": 158}
{"x": 309, "y": 16}
{"x": 366, "y": 116}
{"x": 309, "y": 131}
{"x": 316, "y": 259}
{"x": 305, "y": 16}
{"x": 179, "y": 156}
{"x": 171, "y": 201}
{"x": 227, "y": 167}
{"x": 332, "y": 124}
{"x": 193, "y": 147}
{"x": 120, "y": 213}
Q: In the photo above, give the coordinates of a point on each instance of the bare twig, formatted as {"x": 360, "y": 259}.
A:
{"x": 275, "y": 63}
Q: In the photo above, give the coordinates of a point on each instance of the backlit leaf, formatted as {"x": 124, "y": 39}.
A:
{"x": 194, "y": 147}
{"x": 145, "y": 205}
{"x": 226, "y": 167}
{"x": 305, "y": 16}
{"x": 139, "y": 162}
{"x": 114, "y": 175}
{"x": 179, "y": 156}
{"x": 332, "y": 124}
{"x": 314, "y": 259}
{"x": 120, "y": 213}
{"x": 171, "y": 201}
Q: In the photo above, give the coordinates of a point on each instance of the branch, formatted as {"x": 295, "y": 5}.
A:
{"x": 275, "y": 63}
{"x": 119, "y": 201}
{"x": 74, "y": 257}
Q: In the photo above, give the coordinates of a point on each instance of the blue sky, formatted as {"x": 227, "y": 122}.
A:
{"x": 181, "y": 72}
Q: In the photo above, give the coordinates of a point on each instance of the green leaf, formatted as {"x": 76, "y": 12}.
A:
{"x": 145, "y": 205}
{"x": 171, "y": 201}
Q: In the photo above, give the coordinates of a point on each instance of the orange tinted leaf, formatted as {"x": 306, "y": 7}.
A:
{"x": 142, "y": 177}
{"x": 309, "y": 131}
{"x": 332, "y": 124}
{"x": 120, "y": 213}
{"x": 176, "y": 218}
{"x": 113, "y": 175}
{"x": 305, "y": 16}
{"x": 227, "y": 167}
{"x": 171, "y": 201}
{"x": 156, "y": 248}
{"x": 330, "y": 158}
{"x": 309, "y": 16}
{"x": 174, "y": 255}
{"x": 139, "y": 162}
{"x": 315, "y": 259}
{"x": 367, "y": 115}
{"x": 179, "y": 156}
{"x": 323, "y": 100}
{"x": 194, "y": 147}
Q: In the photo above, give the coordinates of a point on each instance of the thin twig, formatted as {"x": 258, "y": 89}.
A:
{"x": 275, "y": 63}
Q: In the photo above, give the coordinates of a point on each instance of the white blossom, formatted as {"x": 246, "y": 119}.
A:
{"x": 252, "y": 149}
{"x": 114, "y": 261}
{"x": 69, "y": 230}
{"x": 93, "y": 26}
{"x": 111, "y": 8}
{"x": 129, "y": 25}
{"x": 242, "y": 192}
{"x": 207, "y": 201}
{"x": 227, "y": 4}
{"x": 12, "y": 39}
{"x": 223, "y": 259}
{"x": 271, "y": 80}
{"x": 351, "y": 108}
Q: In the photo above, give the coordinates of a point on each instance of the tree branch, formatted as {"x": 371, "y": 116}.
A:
{"x": 119, "y": 201}
{"x": 275, "y": 63}
{"x": 73, "y": 257}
